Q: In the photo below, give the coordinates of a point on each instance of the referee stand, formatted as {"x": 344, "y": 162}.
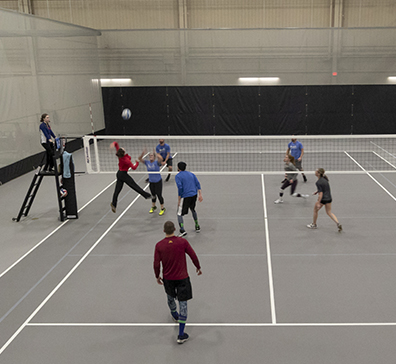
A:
{"x": 66, "y": 199}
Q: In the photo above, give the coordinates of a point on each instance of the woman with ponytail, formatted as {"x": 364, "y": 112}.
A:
{"x": 290, "y": 179}
{"x": 324, "y": 199}
{"x": 47, "y": 138}
{"x": 124, "y": 163}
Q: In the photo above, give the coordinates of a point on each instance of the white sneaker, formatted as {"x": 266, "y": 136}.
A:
{"x": 279, "y": 200}
{"x": 304, "y": 196}
{"x": 312, "y": 226}
{"x": 294, "y": 194}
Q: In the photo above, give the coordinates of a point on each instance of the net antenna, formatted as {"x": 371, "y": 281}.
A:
{"x": 251, "y": 155}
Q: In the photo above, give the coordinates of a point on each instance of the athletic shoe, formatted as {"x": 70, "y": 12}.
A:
{"x": 182, "y": 339}
{"x": 304, "y": 196}
{"x": 304, "y": 178}
{"x": 182, "y": 233}
{"x": 339, "y": 227}
{"x": 162, "y": 211}
{"x": 152, "y": 209}
{"x": 197, "y": 228}
{"x": 167, "y": 178}
{"x": 279, "y": 200}
{"x": 113, "y": 208}
{"x": 312, "y": 226}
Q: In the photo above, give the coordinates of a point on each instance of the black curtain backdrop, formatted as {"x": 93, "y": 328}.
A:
{"x": 251, "y": 110}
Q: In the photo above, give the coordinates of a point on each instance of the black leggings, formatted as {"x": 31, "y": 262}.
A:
{"x": 156, "y": 190}
{"x": 287, "y": 184}
{"x": 124, "y": 177}
{"x": 49, "y": 148}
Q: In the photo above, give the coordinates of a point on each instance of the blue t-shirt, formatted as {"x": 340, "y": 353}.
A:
{"x": 153, "y": 167}
{"x": 163, "y": 150}
{"x": 187, "y": 184}
{"x": 295, "y": 149}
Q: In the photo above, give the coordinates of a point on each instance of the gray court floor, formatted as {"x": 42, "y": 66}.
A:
{"x": 84, "y": 291}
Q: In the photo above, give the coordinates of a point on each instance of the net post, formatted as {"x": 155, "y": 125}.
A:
{"x": 87, "y": 154}
{"x": 95, "y": 140}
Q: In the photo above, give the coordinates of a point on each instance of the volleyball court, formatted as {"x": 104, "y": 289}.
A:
{"x": 270, "y": 287}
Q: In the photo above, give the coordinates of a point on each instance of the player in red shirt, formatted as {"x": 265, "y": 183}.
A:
{"x": 171, "y": 252}
{"x": 124, "y": 163}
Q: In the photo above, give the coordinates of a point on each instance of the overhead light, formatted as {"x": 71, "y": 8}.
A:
{"x": 258, "y": 80}
{"x": 392, "y": 78}
{"x": 116, "y": 82}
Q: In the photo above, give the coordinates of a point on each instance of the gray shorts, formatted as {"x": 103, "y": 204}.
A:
{"x": 298, "y": 164}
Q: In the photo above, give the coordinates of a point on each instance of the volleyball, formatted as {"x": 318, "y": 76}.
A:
{"x": 63, "y": 193}
{"x": 126, "y": 114}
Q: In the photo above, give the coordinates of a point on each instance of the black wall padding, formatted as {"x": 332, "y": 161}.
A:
{"x": 251, "y": 110}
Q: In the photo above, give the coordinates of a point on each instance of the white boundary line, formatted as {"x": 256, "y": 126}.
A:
{"x": 52, "y": 233}
{"x": 106, "y": 324}
{"x": 269, "y": 263}
{"x": 11, "y": 339}
{"x": 379, "y": 184}
{"x": 384, "y": 159}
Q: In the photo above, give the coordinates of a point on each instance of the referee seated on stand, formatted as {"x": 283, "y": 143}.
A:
{"x": 189, "y": 189}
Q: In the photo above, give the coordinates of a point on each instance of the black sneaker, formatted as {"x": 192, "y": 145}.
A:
{"x": 182, "y": 233}
{"x": 113, "y": 208}
{"x": 339, "y": 226}
{"x": 197, "y": 228}
{"x": 182, "y": 339}
{"x": 304, "y": 178}
{"x": 167, "y": 178}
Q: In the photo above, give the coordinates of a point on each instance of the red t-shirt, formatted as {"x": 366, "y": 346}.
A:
{"x": 124, "y": 163}
{"x": 172, "y": 253}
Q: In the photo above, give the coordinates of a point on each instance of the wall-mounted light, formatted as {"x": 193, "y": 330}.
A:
{"x": 392, "y": 79}
{"x": 111, "y": 82}
{"x": 258, "y": 80}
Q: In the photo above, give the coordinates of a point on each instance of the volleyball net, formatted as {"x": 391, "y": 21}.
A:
{"x": 355, "y": 154}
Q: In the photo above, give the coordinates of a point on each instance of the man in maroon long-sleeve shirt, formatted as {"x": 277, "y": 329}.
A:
{"x": 171, "y": 252}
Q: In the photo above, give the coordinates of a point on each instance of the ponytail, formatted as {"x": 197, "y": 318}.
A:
{"x": 291, "y": 158}
{"x": 43, "y": 117}
{"x": 321, "y": 172}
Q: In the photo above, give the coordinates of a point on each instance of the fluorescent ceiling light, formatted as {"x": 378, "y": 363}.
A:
{"x": 258, "y": 80}
{"x": 115, "y": 81}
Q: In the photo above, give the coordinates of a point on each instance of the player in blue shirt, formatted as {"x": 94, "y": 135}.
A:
{"x": 155, "y": 179}
{"x": 164, "y": 150}
{"x": 189, "y": 189}
{"x": 296, "y": 150}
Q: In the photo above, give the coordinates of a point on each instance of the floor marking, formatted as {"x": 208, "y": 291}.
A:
{"x": 11, "y": 339}
{"x": 51, "y": 233}
{"x": 384, "y": 160}
{"x": 379, "y": 184}
{"x": 269, "y": 263}
{"x": 116, "y": 324}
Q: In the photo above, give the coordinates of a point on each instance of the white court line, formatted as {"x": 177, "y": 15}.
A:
{"x": 379, "y": 184}
{"x": 384, "y": 160}
{"x": 11, "y": 339}
{"x": 116, "y": 324}
{"x": 383, "y": 149}
{"x": 52, "y": 233}
{"x": 269, "y": 263}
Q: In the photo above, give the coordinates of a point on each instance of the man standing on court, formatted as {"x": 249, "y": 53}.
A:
{"x": 296, "y": 149}
{"x": 171, "y": 252}
{"x": 189, "y": 189}
{"x": 164, "y": 150}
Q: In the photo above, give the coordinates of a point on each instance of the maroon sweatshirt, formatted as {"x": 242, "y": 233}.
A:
{"x": 172, "y": 253}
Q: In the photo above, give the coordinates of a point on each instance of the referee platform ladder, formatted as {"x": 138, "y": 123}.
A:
{"x": 35, "y": 185}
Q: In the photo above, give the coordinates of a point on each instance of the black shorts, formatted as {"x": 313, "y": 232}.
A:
{"x": 187, "y": 203}
{"x": 180, "y": 289}
{"x": 324, "y": 202}
{"x": 169, "y": 162}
